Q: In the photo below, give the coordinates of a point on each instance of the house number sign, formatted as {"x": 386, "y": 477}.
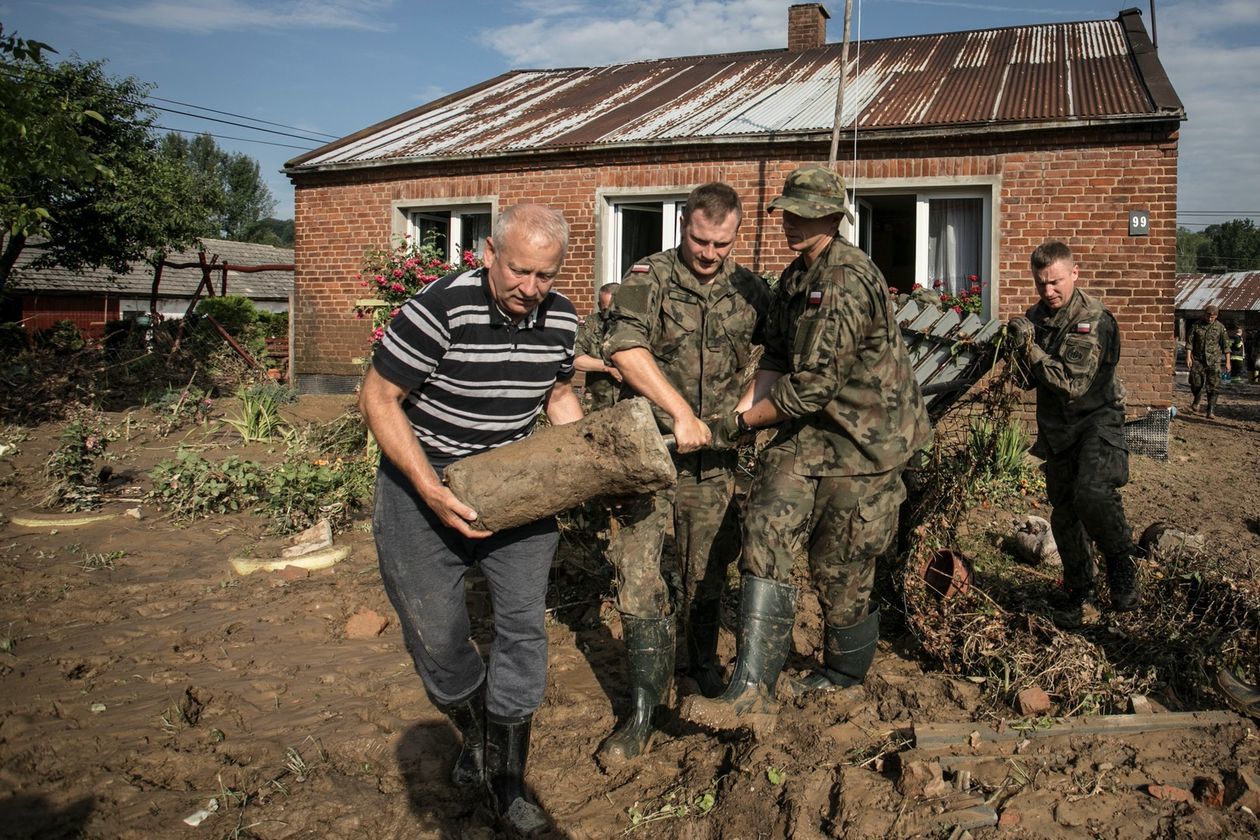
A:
{"x": 1139, "y": 223}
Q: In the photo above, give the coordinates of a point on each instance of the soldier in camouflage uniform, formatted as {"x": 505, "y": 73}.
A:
{"x": 683, "y": 327}
{"x": 603, "y": 380}
{"x": 1209, "y": 343}
{"x": 837, "y": 382}
{"x": 1068, "y": 346}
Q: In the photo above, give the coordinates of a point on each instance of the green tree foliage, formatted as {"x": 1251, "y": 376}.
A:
{"x": 232, "y": 183}
{"x": 277, "y": 232}
{"x": 80, "y": 176}
{"x": 1232, "y": 246}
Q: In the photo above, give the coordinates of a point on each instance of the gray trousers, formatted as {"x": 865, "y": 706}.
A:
{"x": 423, "y": 564}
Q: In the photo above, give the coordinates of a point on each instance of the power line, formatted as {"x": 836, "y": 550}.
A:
{"x": 238, "y": 125}
{"x": 242, "y": 116}
{"x": 228, "y": 137}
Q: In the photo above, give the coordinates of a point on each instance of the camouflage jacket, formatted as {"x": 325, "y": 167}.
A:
{"x": 590, "y": 340}
{"x": 701, "y": 338}
{"x": 847, "y": 382}
{"x": 1073, "y": 366}
{"x": 1209, "y": 343}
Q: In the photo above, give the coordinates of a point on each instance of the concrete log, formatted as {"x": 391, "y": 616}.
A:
{"x": 614, "y": 452}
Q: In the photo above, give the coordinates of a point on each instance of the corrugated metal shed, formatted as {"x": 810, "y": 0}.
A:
{"x": 1237, "y": 291}
{"x": 176, "y": 283}
{"x": 1030, "y": 75}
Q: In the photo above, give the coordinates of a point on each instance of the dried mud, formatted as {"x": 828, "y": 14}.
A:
{"x": 131, "y": 696}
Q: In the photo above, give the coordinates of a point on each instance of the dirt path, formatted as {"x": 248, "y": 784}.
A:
{"x": 140, "y": 679}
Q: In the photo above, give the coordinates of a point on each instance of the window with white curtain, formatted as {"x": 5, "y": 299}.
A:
{"x": 939, "y": 239}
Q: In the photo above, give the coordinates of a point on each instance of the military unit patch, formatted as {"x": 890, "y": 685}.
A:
{"x": 1083, "y": 327}
{"x": 815, "y": 297}
{"x": 640, "y": 268}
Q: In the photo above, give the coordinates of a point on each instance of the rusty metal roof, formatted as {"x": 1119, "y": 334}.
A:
{"x": 1235, "y": 291}
{"x": 1027, "y": 75}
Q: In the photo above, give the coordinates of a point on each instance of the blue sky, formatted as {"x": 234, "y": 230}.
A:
{"x": 328, "y": 68}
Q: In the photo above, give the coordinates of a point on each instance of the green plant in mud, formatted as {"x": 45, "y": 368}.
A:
{"x": 300, "y": 493}
{"x": 260, "y": 419}
{"x": 71, "y": 469}
{"x": 94, "y": 561}
{"x": 177, "y": 407}
{"x": 191, "y": 486}
{"x": 676, "y": 805}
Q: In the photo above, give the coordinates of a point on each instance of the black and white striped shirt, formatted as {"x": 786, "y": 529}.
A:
{"x": 475, "y": 379}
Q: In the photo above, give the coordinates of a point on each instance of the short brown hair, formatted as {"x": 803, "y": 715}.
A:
{"x": 1048, "y": 253}
{"x": 715, "y": 200}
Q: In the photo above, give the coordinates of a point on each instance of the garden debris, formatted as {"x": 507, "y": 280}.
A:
{"x": 366, "y": 624}
{"x": 1244, "y": 790}
{"x": 1209, "y": 792}
{"x": 1164, "y": 543}
{"x": 1033, "y": 542}
{"x": 134, "y": 513}
{"x": 1032, "y": 701}
{"x": 314, "y": 538}
{"x": 62, "y": 520}
{"x": 196, "y": 818}
{"x": 322, "y": 559}
{"x": 1172, "y": 793}
{"x": 932, "y": 736}
{"x": 922, "y": 779}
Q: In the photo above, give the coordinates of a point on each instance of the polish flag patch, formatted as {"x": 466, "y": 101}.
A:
{"x": 815, "y": 298}
{"x": 640, "y": 268}
{"x": 1083, "y": 327}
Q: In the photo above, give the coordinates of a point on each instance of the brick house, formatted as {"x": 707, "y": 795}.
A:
{"x": 971, "y": 148}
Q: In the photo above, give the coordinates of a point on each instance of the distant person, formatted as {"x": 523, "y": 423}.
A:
{"x": 465, "y": 367}
{"x": 603, "y": 380}
{"x": 684, "y": 325}
{"x": 1067, "y": 346}
{"x": 1208, "y": 345}
{"x": 1237, "y": 354}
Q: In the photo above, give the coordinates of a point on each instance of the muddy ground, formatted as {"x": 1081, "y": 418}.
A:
{"x": 138, "y": 691}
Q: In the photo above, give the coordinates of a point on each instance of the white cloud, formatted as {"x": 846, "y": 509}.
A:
{"x": 1213, "y": 65}
{"x": 571, "y": 33}
{"x": 206, "y": 16}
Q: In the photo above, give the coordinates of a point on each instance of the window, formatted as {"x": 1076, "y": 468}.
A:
{"x": 454, "y": 229}
{"x": 938, "y": 239}
{"x": 636, "y": 227}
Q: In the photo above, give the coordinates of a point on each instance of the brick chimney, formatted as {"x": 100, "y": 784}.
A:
{"x": 807, "y": 26}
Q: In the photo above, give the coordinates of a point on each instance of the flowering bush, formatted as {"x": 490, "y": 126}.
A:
{"x": 394, "y": 275}
{"x": 968, "y": 300}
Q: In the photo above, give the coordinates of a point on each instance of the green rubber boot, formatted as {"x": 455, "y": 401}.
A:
{"x": 650, "y": 651}
{"x": 847, "y": 655}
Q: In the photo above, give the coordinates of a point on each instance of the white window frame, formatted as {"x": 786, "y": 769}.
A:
{"x": 987, "y": 189}
{"x": 405, "y": 211}
{"x": 609, "y": 220}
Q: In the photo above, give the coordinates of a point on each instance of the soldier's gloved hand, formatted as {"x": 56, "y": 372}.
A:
{"x": 1021, "y": 332}
{"x": 726, "y": 432}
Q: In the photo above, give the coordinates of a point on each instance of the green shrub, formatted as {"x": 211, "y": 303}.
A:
{"x": 236, "y": 314}
{"x": 192, "y": 487}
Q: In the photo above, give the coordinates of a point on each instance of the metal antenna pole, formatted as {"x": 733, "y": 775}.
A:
{"x": 844, "y": 71}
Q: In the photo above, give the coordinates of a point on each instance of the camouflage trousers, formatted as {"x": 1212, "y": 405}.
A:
{"x": 1203, "y": 377}
{"x": 845, "y": 522}
{"x": 1082, "y": 485}
{"x": 706, "y": 539}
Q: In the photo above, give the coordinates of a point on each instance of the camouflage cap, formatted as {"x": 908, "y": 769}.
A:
{"x": 813, "y": 192}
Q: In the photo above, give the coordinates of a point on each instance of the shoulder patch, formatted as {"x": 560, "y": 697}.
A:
{"x": 640, "y": 268}
{"x": 815, "y": 297}
{"x": 1083, "y": 327}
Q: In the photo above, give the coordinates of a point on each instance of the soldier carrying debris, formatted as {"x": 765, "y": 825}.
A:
{"x": 1067, "y": 346}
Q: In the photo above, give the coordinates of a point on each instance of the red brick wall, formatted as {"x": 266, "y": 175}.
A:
{"x": 1076, "y": 186}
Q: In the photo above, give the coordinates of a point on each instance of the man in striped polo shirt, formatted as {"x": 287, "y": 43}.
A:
{"x": 464, "y": 367}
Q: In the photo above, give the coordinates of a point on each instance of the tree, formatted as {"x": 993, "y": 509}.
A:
{"x": 1231, "y": 246}
{"x": 232, "y": 181}
{"x": 80, "y": 177}
{"x": 278, "y": 232}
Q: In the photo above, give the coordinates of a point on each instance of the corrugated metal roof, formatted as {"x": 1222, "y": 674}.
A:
{"x": 1044, "y": 73}
{"x": 1236, "y": 291}
{"x": 181, "y": 283}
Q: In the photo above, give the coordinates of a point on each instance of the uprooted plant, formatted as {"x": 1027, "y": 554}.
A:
{"x": 74, "y": 482}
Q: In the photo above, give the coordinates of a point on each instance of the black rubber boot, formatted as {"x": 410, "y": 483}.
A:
{"x": 507, "y": 749}
{"x": 1211, "y": 409}
{"x": 766, "y": 611}
{"x": 702, "y": 639}
{"x": 1122, "y": 580}
{"x": 650, "y": 651}
{"x": 847, "y": 655}
{"x": 1241, "y": 696}
{"x": 469, "y": 717}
